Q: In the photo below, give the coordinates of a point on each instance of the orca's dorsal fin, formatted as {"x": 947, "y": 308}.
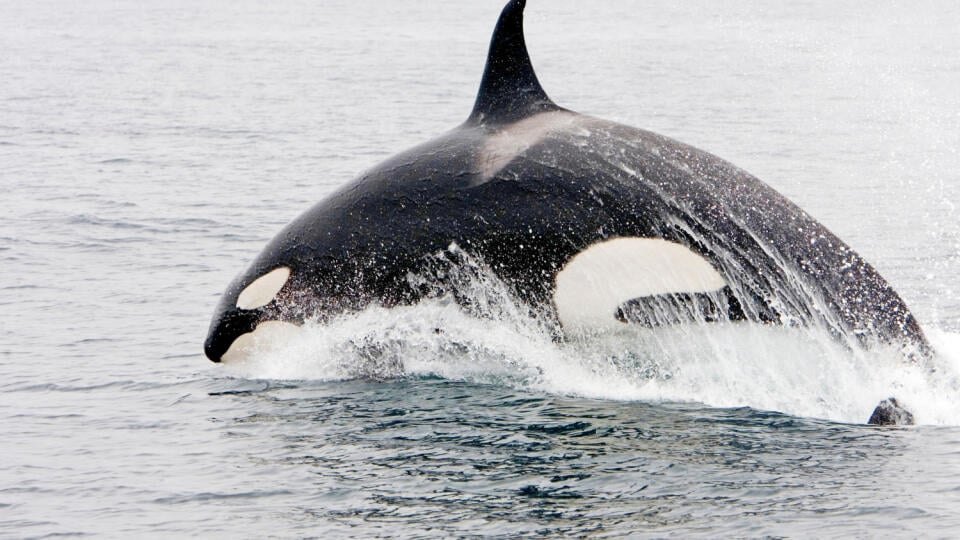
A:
{"x": 509, "y": 90}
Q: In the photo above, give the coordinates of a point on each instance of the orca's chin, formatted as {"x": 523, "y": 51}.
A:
{"x": 240, "y": 314}
{"x": 265, "y": 336}
{"x": 226, "y": 329}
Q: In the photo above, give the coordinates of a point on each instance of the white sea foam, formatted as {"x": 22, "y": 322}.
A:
{"x": 723, "y": 365}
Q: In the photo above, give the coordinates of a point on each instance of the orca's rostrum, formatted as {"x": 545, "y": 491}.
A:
{"x": 591, "y": 223}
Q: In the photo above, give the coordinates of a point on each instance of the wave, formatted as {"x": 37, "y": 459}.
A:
{"x": 791, "y": 370}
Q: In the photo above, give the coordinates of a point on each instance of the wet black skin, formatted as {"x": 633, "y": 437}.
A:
{"x": 890, "y": 413}
{"x": 574, "y": 188}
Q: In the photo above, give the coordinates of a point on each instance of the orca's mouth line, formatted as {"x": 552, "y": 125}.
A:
{"x": 227, "y": 328}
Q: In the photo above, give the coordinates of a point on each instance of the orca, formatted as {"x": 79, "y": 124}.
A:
{"x": 590, "y": 223}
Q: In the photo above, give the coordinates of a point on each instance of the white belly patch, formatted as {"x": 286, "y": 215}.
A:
{"x": 267, "y": 334}
{"x": 596, "y": 281}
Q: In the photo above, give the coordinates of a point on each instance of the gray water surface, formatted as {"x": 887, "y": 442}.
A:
{"x": 149, "y": 150}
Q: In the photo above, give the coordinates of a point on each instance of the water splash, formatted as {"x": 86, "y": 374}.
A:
{"x": 472, "y": 330}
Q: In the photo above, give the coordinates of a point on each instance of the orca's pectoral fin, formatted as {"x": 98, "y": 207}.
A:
{"x": 890, "y": 413}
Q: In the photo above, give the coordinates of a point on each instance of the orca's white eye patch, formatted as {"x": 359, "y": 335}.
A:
{"x": 596, "y": 281}
{"x": 263, "y": 289}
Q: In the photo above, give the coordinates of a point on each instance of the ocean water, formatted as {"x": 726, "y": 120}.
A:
{"x": 149, "y": 150}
